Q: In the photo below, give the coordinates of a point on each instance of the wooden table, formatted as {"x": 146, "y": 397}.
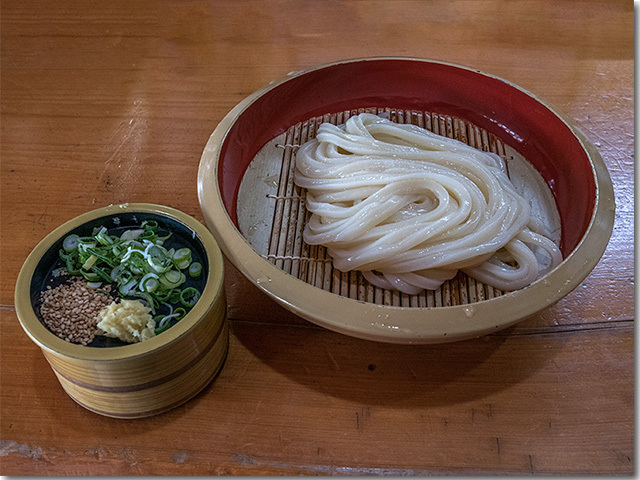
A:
{"x": 108, "y": 102}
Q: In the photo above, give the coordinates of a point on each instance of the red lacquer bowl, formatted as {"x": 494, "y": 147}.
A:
{"x": 569, "y": 164}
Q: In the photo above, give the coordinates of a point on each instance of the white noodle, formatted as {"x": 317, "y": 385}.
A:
{"x": 410, "y": 208}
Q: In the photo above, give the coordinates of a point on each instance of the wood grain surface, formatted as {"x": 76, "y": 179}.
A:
{"x": 109, "y": 102}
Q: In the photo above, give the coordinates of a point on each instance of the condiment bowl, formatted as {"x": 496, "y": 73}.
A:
{"x": 138, "y": 379}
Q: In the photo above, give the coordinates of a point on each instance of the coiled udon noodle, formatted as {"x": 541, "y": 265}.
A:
{"x": 410, "y": 208}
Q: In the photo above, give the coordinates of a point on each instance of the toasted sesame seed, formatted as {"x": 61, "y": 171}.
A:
{"x": 71, "y": 310}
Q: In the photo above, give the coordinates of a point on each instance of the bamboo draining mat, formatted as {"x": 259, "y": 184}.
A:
{"x": 272, "y": 213}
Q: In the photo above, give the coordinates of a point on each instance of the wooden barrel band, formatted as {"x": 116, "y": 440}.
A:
{"x": 155, "y": 411}
{"x": 147, "y": 385}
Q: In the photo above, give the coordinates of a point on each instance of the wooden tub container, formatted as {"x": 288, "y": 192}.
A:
{"x": 257, "y": 214}
{"x": 145, "y": 378}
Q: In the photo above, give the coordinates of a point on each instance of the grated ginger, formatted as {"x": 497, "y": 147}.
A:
{"x": 129, "y": 320}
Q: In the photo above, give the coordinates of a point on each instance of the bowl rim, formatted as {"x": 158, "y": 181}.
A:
{"x": 48, "y": 341}
{"x": 399, "y": 324}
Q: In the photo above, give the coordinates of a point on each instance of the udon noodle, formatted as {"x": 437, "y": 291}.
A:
{"x": 409, "y": 208}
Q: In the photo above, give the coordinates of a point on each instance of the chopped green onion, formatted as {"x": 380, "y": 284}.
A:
{"x": 71, "y": 269}
{"x": 138, "y": 265}
{"x": 120, "y": 274}
{"x": 181, "y": 254}
{"x": 131, "y": 252}
{"x": 157, "y": 258}
{"x": 87, "y": 239}
{"x": 149, "y": 283}
{"x": 71, "y": 243}
{"x": 182, "y": 258}
{"x": 82, "y": 246}
{"x": 159, "y": 330}
{"x": 89, "y": 262}
{"x": 131, "y": 234}
{"x": 127, "y": 287}
{"x": 148, "y": 300}
{"x": 103, "y": 237}
{"x": 162, "y": 322}
{"x": 103, "y": 275}
{"x": 90, "y": 276}
{"x": 189, "y": 296}
{"x": 175, "y": 296}
{"x": 162, "y": 294}
{"x": 150, "y": 228}
{"x": 195, "y": 269}
{"x": 103, "y": 258}
{"x": 150, "y": 225}
{"x": 161, "y": 240}
{"x": 172, "y": 279}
